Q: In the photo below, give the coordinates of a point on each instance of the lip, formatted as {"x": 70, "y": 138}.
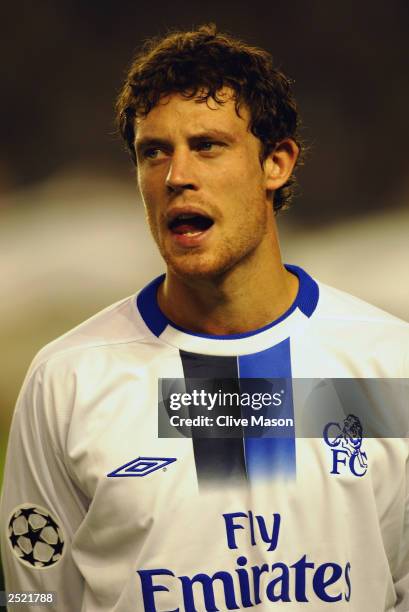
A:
{"x": 190, "y": 241}
{"x": 185, "y": 210}
{"x": 185, "y": 240}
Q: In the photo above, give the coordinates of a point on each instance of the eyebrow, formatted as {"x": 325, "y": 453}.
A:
{"x": 150, "y": 141}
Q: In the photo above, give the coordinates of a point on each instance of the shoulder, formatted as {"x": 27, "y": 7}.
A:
{"x": 352, "y": 327}
{"x": 115, "y": 327}
{"x": 80, "y": 367}
{"x": 336, "y": 305}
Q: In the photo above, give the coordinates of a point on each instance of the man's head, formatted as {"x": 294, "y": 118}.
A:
{"x": 211, "y": 126}
{"x": 201, "y": 63}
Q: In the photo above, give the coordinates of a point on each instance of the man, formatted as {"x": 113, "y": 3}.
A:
{"x": 210, "y": 514}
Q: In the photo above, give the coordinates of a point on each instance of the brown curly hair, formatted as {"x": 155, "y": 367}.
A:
{"x": 198, "y": 64}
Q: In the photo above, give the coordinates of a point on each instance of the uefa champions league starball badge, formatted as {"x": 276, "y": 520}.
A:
{"x": 35, "y": 536}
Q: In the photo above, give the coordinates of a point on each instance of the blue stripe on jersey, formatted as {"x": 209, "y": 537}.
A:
{"x": 267, "y": 458}
{"x": 306, "y": 301}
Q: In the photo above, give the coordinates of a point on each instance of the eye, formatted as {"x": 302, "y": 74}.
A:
{"x": 209, "y": 146}
{"x": 205, "y": 146}
{"x": 153, "y": 153}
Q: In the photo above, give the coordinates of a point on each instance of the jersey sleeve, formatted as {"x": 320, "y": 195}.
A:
{"x": 41, "y": 506}
{"x": 401, "y": 577}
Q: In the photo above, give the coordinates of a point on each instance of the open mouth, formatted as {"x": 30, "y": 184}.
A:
{"x": 190, "y": 224}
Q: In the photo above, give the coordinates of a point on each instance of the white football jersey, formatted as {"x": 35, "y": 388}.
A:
{"x": 107, "y": 502}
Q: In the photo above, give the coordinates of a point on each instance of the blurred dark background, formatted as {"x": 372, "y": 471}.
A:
{"x": 72, "y": 232}
{"x": 64, "y": 61}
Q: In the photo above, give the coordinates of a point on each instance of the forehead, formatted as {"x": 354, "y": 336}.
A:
{"x": 177, "y": 113}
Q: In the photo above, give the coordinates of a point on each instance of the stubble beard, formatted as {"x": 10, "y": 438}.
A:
{"x": 214, "y": 265}
{"x": 198, "y": 265}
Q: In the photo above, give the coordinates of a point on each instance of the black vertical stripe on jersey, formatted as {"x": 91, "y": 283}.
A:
{"x": 218, "y": 457}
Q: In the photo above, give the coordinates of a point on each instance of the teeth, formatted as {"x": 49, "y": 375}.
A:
{"x": 191, "y": 233}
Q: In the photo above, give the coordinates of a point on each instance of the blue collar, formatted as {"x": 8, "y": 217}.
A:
{"x": 306, "y": 300}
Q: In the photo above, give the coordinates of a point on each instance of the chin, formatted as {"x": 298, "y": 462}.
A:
{"x": 200, "y": 267}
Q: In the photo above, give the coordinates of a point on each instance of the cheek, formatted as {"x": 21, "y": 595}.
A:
{"x": 230, "y": 181}
{"x": 143, "y": 184}
{"x": 247, "y": 173}
{"x": 149, "y": 194}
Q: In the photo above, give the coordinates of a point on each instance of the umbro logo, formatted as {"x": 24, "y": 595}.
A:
{"x": 142, "y": 466}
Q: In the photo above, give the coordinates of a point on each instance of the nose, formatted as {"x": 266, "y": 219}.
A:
{"x": 181, "y": 174}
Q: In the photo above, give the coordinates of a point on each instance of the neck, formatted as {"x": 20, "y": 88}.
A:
{"x": 246, "y": 298}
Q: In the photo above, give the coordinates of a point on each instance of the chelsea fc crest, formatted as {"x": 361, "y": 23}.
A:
{"x": 345, "y": 441}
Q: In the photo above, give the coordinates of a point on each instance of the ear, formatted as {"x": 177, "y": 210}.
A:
{"x": 279, "y": 165}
